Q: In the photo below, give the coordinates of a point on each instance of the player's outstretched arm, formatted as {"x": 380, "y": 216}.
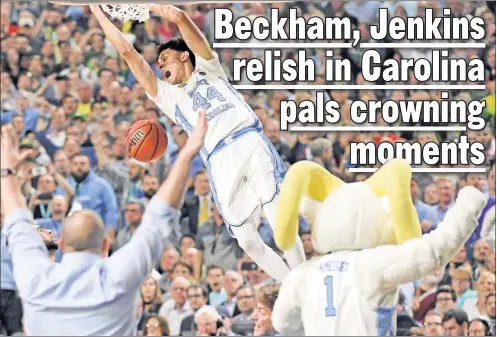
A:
{"x": 137, "y": 64}
{"x": 192, "y": 35}
{"x": 391, "y": 266}
{"x": 135, "y": 260}
{"x": 171, "y": 191}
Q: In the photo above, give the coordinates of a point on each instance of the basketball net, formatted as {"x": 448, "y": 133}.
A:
{"x": 141, "y": 12}
{"x": 126, "y": 12}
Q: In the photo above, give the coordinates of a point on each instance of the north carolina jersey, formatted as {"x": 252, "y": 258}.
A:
{"x": 354, "y": 293}
{"x": 334, "y": 301}
{"x": 207, "y": 89}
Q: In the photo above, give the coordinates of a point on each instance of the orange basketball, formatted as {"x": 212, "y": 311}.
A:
{"x": 146, "y": 140}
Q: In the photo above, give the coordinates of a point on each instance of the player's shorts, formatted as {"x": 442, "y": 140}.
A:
{"x": 245, "y": 172}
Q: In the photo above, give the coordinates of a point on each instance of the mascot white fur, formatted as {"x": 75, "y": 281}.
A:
{"x": 368, "y": 249}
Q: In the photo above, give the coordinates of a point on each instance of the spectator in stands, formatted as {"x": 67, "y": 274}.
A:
{"x": 150, "y": 185}
{"x": 190, "y": 258}
{"x": 133, "y": 213}
{"x": 62, "y": 163}
{"x": 250, "y": 272}
{"x": 56, "y": 130}
{"x": 446, "y": 194}
{"x": 187, "y": 241}
{"x": 462, "y": 281}
{"x": 59, "y": 208}
{"x": 151, "y": 296}
{"x": 141, "y": 316}
{"x": 272, "y": 132}
{"x": 243, "y": 324}
{"x": 197, "y": 298}
{"x": 40, "y": 203}
{"x": 215, "y": 244}
{"x": 156, "y": 326}
{"x": 445, "y": 300}
{"x": 127, "y": 184}
{"x": 455, "y": 323}
{"x": 183, "y": 269}
{"x": 433, "y": 324}
{"x": 177, "y": 308}
{"x": 490, "y": 310}
{"x": 421, "y": 208}
{"x": 265, "y": 298}
{"x": 430, "y": 195}
{"x": 321, "y": 152}
{"x": 490, "y": 263}
{"x": 196, "y": 206}
{"x": 94, "y": 193}
{"x": 485, "y": 285}
{"x": 425, "y": 295}
{"x": 479, "y": 327}
{"x": 232, "y": 281}
{"x": 481, "y": 252}
{"x": 215, "y": 282}
{"x": 404, "y": 320}
{"x": 208, "y": 322}
{"x": 169, "y": 258}
{"x": 306, "y": 238}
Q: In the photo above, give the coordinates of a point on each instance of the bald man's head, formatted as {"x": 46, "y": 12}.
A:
{"x": 84, "y": 231}
{"x": 179, "y": 287}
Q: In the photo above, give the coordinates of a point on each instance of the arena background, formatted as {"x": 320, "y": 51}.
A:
{"x": 65, "y": 90}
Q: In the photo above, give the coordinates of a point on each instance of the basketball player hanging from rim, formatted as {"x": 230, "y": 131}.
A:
{"x": 245, "y": 170}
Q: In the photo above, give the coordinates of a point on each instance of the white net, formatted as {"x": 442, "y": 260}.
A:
{"x": 126, "y": 12}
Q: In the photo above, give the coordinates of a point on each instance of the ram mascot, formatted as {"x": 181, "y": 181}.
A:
{"x": 369, "y": 236}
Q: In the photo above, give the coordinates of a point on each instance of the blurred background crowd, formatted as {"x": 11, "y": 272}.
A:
{"x": 71, "y": 100}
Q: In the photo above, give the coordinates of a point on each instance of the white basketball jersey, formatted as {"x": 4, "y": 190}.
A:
{"x": 334, "y": 299}
{"x": 340, "y": 305}
{"x": 208, "y": 89}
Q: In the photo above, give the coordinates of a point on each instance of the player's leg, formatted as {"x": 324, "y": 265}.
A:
{"x": 251, "y": 242}
{"x": 295, "y": 255}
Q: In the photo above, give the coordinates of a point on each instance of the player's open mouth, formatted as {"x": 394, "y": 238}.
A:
{"x": 166, "y": 74}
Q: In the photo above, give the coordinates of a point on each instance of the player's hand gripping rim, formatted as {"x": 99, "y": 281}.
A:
{"x": 168, "y": 12}
{"x": 196, "y": 139}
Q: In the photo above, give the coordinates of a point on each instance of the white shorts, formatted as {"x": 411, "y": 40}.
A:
{"x": 245, "y": 173}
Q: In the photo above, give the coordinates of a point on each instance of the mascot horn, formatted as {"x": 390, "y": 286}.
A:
{"x": 365, "y": 201}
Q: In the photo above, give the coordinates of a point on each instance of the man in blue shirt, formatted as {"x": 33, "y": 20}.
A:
{"x": 93, "y": 192}
{"x": 446, "y": 196}
{"x": 421, "y": 208}
{"x": 10, "y": 303}
{"x": 28, "y": 114}
{"x": 87, "y": 294}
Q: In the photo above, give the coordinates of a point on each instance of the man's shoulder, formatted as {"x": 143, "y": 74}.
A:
{"x": 167, "y": 306}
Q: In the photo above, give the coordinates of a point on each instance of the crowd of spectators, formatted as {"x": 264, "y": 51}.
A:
{"x": 71, "y": 99}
